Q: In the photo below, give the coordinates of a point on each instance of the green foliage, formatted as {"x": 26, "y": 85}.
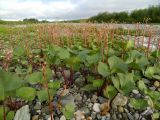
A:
{"x": 117, "y": 65}
{"x": 9, "y": 82}
{"x": 42, "y": 95}
{"x": 10, "y": 115}
{"x": 152, "y": 72}
{"x": 138, "y": 103}
{"x": 135, "y": 16}
{"x": 68, "y": 110}
{"x": 124, "y": 83}
{"x": 103, "y": 69}
{"x": 26, "y": 93}
{"x": 110, "y": 92}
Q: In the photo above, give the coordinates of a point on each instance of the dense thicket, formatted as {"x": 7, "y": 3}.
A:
{"x": 152, "y": 14}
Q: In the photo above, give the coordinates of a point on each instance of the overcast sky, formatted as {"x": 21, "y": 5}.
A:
{"x": 66, "y": 9}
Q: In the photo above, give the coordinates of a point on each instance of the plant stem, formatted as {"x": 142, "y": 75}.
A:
{"x": 4, "y": 111}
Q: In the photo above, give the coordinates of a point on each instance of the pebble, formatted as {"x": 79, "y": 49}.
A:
{"x": 135, "y": 91}
{"x": 85, "y": 110}
{"x": 130, "y": 116}
{"x": 152, "y": 88}
{"x": 79, "y": 115}
{"x": 136, "y": 116}
{"x": 67, "y": 74}
{"x": 102, "y": 99}
{"x": 119, "y": 100}
{"x": 35, "y": 117}
{"x": 147, "y": 112}
{"x": 78, "y": 97}
{"x": 120, "y": 109}
{"x": 104, "y": 108}
{"x": 99, "y": 116}
{"x": 93, "y": 115}
{"x": 156, "y": 84}
{"x": 90, "y": 105}
{"x": 114, "y": 117}
{"x": 63, "y": 118}
{"x": 37, "y": 106}
{"x": 96, "y": 107}
{"x": 94, "y": 98}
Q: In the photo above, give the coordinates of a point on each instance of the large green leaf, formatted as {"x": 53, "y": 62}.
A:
{"x": 141, "y": 85}
{"x": 152, "y": 72}
{"x": 9, "y": 82}
{"x": 132, "y": 55}
{"x": 42, "y": 95}
{"x": 110, "y": 92}
{"x": 117, "y": 65}
{"x": 68, "y": 110}
{"x": 34, "y": 78}
{"x": 63, "y": 54}
{"x": 138, "y": 103}
{"x": 103, "y": 69}
{"x": 97, "y": 83}
{"x": 55, "y": 84}
{"x": 124, "y": 82}
{"x": 130, "y": 44}
{"x": 26, "y": 93}
{"x": 19, "y": 51}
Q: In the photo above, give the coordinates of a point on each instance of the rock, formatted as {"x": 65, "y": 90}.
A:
{"x": 35, "y": 117}
{"x": 99, "y": 116}
{"x": 130, "y": 116}
{"x": 119, "y": 100}
{"x": 152, "y": 88}
{"x": 104, "y": 118}
{"x": 53, "y": 73}
{"x": 67, "y": 74}
{"x": 93, "y": 115}
{"x": 94, "y": 98}
{"x": 136, "y": 116}
{"x": 102, "y": 99}
{"x": 104, "y": 108}
{"x": 23, "y": 113}
{"x": 96, "y": 107}
{"x": 114, "y": 117}
{"x": 65, "y": 92}
{"x": 79, "y": 115}
{"x": 124, "y": 115}
{"x": 37, "y": 106}
{"x": 90, "y": 105}
{"x": 156, "y": 84}
{"x": 85, "y": 110}
{"x": 147, "y": 112}
{"x": 120, "y": 109}
{"x": 79, "y": 82}
{"x": 78, "y": 97}
{"x": 57, "y": 118}
{"x": 135, "y": 91}
{"x": 59, "y": 74}
{"x": 67, "y": 99}
{"x": 119, "y": 116}
{"x": 63, "y": 118}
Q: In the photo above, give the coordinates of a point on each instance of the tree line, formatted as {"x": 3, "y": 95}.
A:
{"x": 150, "y": 15}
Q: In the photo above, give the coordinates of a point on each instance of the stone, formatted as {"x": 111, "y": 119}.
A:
{"x": 135, "y": 91}
{"x": 152, "y": 88}
{"x": 147, "y": 112}
{"x": 136, "y": 116}
{"x": 85, "y": 110}
{"x": 96, "y": 107}
{"x": 93, "y": 115}
{"x": 67, "y": 99}
{"x": 90, "y": 105}
{"x": 114, "y": 117}
{"x": 156, "y": 84}
{"x": 130, "y": 116}
{"x": 67, "y": 74}
{"x": 78, "y": 97}
{"x": 119, "y": 100}
{"x": 79, "y": 115}
{"x": 104, "y": 108}
{"x": 102, "y": 99}
{"x": 99, "y": 116}
{"x": 35, "y": 117}
{"x": 63, "y": 118}
{"x": 23, "y": 113}
{"x": 94, "y": 98}
{"x": 37, "y": 106}
{"x": 120, "y": 109}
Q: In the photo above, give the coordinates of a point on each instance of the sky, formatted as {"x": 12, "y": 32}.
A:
{"x": 66, "y": 9}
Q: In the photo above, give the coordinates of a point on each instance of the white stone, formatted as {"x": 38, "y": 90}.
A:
{"x": 23, "y": 113}
{"x": 96, "y": 107}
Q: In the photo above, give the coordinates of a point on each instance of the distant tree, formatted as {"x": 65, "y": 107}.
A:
{"x": 152, "y": 13}
{"x": 30, "y": 20}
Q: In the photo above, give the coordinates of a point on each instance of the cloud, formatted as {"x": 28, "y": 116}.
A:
{"x": 65, "y": 9}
